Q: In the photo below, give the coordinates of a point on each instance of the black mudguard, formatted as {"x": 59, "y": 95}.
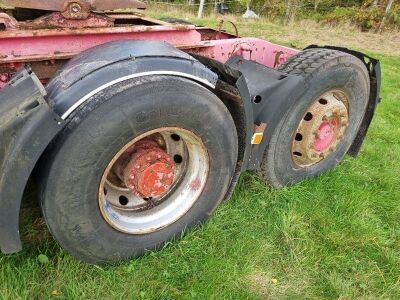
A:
{"x": 107, "y": 64}
{"x": 267, "y": 94}
{"x": 27, "y": 125}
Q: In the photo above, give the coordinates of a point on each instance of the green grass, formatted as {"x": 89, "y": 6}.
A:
{"x": 337, "y": 236}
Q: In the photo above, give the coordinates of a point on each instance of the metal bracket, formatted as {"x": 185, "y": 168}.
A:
{"x": 76, "y": 9}
{"x": 267, "y": 95}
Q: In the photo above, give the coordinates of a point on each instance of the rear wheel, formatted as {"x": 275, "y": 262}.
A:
{"x": 318, "y": 130}
{"x": 136, "y": 166}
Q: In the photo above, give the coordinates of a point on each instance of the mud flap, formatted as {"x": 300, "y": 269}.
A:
{"x": 267, "y": 95}
{"x": 27, "y": 125}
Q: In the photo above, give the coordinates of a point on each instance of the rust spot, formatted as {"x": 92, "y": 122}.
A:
{"x": 195, "y": 184}
{"x": 150, "y": 171}
{"x": 57, "y": 21}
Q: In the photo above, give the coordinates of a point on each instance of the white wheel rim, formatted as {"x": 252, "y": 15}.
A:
{"x": 190, "y": 180}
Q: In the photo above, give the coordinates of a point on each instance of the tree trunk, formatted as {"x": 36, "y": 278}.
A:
{"x": 201, "y": 8}
{"x": 316, "y": 3}
{"x": 287, "y": 12}
{"x": 387, "y": 11}
{"x": 266, "y": 5}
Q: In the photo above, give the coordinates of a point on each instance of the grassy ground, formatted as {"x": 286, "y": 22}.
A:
{"x": 337, "y": 236}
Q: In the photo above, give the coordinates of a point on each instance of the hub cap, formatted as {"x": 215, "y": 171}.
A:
{"x": 153, "y": 181}
{"x": 150, "y": 170}
{"x": 321, "y": 129}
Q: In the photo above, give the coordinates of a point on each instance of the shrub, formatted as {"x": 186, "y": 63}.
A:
{"x": 366, "y": 19}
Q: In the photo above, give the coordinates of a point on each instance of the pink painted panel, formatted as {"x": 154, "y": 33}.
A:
{"x": 263, "y": 52}
{"x": 22, "y": 46}
{"x": 25, "y": 47}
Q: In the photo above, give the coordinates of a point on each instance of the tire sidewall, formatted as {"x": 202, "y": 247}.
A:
{"x": 99, "y": 130}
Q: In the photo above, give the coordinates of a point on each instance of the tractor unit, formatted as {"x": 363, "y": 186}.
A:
{"x": 134, "y": 130}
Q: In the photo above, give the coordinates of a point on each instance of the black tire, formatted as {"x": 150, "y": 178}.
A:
{"x": 323, "y": 70}
{"x": 80, "y": 154}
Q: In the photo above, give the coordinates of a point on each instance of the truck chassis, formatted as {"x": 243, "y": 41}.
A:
{"x": 286, "y": 113}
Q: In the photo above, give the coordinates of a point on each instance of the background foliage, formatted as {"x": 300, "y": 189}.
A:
{"x": 366, "y": 14}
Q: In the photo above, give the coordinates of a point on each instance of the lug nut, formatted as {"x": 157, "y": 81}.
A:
{"x": 75, "y": 8}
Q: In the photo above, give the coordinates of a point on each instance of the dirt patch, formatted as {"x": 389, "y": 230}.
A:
{"x": 265, "y": 285}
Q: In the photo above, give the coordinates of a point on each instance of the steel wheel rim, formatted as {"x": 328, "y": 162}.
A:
{"x": 141, "y": 216}
{"x": 321, "y": 129}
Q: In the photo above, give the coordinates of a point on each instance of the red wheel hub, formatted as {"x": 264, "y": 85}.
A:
{"x": 326, "y": 135}
{"x": 150, "y": 171}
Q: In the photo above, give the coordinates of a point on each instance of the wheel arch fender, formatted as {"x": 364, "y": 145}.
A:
{"x": 114, "y": 62}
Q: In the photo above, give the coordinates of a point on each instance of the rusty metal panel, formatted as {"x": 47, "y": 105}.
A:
{"x": 57, "y": 20}
{"x": 36, "y": 45}
{"x": 59, "y": 5}
{"x": 7, "y": 22}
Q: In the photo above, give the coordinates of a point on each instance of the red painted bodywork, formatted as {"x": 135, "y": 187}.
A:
{"x": 47, "y": 49}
